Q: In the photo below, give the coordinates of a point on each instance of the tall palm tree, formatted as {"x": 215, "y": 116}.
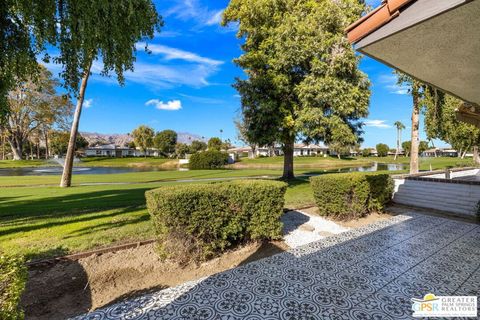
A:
{"x": 399, "y": 127}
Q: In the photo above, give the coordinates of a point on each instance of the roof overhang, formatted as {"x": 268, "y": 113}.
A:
{"x": 434, "y": 41}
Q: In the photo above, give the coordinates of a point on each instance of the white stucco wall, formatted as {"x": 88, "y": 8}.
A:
{"x": 450, "y": 197}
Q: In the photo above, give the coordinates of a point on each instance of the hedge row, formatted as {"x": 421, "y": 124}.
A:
{"x": 13, "y": 276}
{"x": 198, "y": 221}
{"x": 210, "y": 159}
{"x": 351, "y": 195}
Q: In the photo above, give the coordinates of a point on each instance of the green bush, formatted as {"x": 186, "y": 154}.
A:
{"x": 351, "y": 195}
{"x": 210, "y": 159}
{"x": 13, "y": 275}
{"x": 198, "y": 221}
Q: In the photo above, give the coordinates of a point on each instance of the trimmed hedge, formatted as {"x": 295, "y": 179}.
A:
{"x": 13, "y": 276}
{"x": 195, "y": 222}
{"x": 210, "y": 159}
{"x": 351, "y": 195}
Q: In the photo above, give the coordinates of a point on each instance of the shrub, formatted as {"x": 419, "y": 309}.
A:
{"x": 197, "y": 221}
{"x": 210, "y": 159}
{"x": 13, "y": 275}
{"x": 351, "y": 195}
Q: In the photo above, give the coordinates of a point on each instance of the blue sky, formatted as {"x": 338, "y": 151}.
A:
{"x": 185, "y": 84}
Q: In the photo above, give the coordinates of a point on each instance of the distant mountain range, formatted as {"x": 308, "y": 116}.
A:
{"x": 122, "y": 139}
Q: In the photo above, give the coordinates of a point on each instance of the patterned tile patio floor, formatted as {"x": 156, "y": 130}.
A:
{"x": 366, "y": 273}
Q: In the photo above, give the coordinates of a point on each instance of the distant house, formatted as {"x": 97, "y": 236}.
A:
{"x": 373, "y": 152}
{"x": 111, "y": 150}
{"x": 440, "y": 152}
{"x": 300, "y": 149}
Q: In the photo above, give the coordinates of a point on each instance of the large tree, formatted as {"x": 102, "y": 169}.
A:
{"x": 25, "y": 28}
{"x": 33, "y": 104}
{"x": 415, "y": 89}
{"x": 165, "y": 141}
{"x": 91, "y": 30}
{"x": 81, "y": 31}
{"x": 441, "y": 122}
{"x": 303, "y": 80}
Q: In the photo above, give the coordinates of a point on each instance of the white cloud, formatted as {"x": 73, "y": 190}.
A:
{"x": 87, "y": 103}
{"x": 215, "y": 19}
{"x": 377, "y": 124}
{"x": 193, "y": 10}
{"x": 192, "y": 69}
{"x": 389, "y": 82}
{"x": 169, "y": 105}
{"x": 178, "y": 54}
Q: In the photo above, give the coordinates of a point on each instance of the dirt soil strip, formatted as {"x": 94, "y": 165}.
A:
{"x": 80, "y": 255}
{"x": 71, "y": 287}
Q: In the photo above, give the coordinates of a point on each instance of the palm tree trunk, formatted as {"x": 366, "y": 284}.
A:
{"x": 68, "y": 165}
{"x": 288, "y": 160}
{"x": 415, "y": 126}
{"x": 398, "y": 144}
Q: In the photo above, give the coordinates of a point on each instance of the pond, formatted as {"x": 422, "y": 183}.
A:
{"x": 43, "y": 171}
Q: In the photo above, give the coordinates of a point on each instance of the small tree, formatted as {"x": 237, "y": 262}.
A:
{"x": 406, "y": 146}
{"x": 339, "y": 149}
{"x": 181, "y": 150}
{"x": 366, "y": 152}
{"x": 59, "y": 142}
{"x": 422, "y": 146}
{"x": 382, "y": 149}
{"x": 399, "y": 127}
{"x": 165, "y": 141}
{"x": 215, "y": 143}
{"x": 243, "y": 135}
{"x": 197, "y": 146}
{"x": 143, "y": 138}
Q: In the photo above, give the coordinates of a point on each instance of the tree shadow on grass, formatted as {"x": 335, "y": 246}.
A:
{"x": 71, "y": 205}
{"x": 74, "y": 219}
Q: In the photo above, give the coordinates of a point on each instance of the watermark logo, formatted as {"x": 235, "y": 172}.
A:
{"x": 445, "y": 306}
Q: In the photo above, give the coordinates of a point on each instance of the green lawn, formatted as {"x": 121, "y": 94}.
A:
{"x": 49, "y": 221}
{"x": 96, "y": 162}
{"x": 25, "y": 163}
{"x": 127, "y": 162}
{"x": 44, "y": 221}
{"x": 137, "y": 177}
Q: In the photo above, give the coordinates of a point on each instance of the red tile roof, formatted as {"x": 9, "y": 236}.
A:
{"x": 388, "y": 10}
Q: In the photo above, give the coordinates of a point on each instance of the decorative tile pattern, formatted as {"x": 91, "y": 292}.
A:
{"x": 366, "y": 273}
